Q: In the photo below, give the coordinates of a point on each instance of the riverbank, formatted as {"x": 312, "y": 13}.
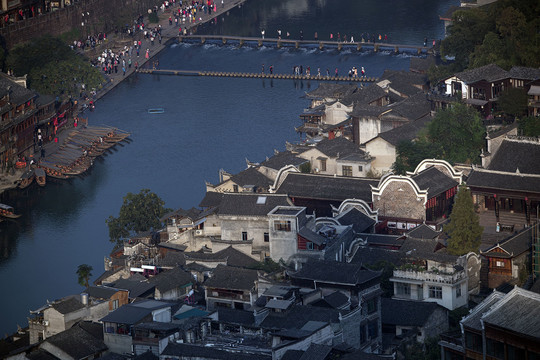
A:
{"x": 117, "y": 42}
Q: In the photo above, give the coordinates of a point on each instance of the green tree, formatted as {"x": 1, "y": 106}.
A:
{"x": 513, "y": 101}
{"x": 411, "y": 153}
{"x": 464, "y": 229}
{"x": 305, "y": 167}
{"x": 84, "y": 272}
{"x": 139, "y": 212}
{"x": 529, "y": 126}
{"x": 457, "y": 133}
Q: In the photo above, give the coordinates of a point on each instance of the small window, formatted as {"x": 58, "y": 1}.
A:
{"x": 458, "y": 292}
{"x": 360, "y": 168}
{"x": 499, "y": 263}
{"x": 261, "y": 200}
{"x": 403, "y": 289}
{"x": 323, "y": 164}
{"x": 244, "y": 236}
{"x": 309, "y": 246}
{"x": 435, "y": 292}
{"x": 115, "y": 304}
{"x": 346, "y": 170}
{"x": 235, "y": 188}
{"x": 266, "y": 237}
{"x": 282, "y": 225}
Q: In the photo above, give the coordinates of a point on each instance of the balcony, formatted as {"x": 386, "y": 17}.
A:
{"x": 429, "y": 276}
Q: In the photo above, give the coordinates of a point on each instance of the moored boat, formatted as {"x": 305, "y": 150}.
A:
{"x": 41, "y": 177}
{"x": 26, "y": 179}
{"x": 8, "y": 212}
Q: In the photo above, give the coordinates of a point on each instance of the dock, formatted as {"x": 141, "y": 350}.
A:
{"x": 261, "y": 75}
{"x": 289, "y": 43}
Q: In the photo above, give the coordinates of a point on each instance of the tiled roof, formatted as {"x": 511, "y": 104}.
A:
{"x": 335, "y": 272}
{"x": 18, "y": 94}
{"x": 434, "y": 181}
{"x": 404, "y": 81}
{"x": 503, "y": 181}
{"x": 336, "y": 299}
{"x": 299, "y": 315}
{"x": 233, "y": 278}
{"x": 524, "y": 73}
{"x": 68, "y": 305}
{"x": 419, "y": 64}
{"x": 406, "y": 132}
{"x": 472, "y": 320}
{"x": 326, "y": 187}
{"x": 233, "y": 256}
{"x": 171, "y": 279}
{"x": 365, "y": 95}
{"x": 339, "y": 147}
{"x": 251, "y": 176}
{"x": 135, "y": 312}
{"x": 360, "y": 221}
{"x": 282, "y": 159}
{"x": 513, "y": 155}
{"x": 488, "y": 73}
{"x": 79, "y": 341}
{"x": 514, "y": 245}
{"x": 235, "y": 316}
{"x": 186, "y": 351}
{"x": 411, "y": 108}
{"x": 382, "y": 239}
{"x": 211, "y": 199}
{"x": 518, "y": 312}
{"x": 407, "y": 312}
{"x": 251, "y": 204}
{"x": 366, "y": 255}
{"x": 101, "y": 292}
{"x": 423, "y": 232}
{"x": 136, "y": 288}
{"x": 173, "y": 259}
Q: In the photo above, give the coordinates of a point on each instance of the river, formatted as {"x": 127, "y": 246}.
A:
{"x": 208, "y": 124}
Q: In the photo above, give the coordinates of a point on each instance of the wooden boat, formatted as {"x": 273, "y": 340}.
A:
{"x": 41, "y": 177}
{"x": 26, "y": 179}
{"x": 156, "y": 111}
{"x": 8, "y": 212}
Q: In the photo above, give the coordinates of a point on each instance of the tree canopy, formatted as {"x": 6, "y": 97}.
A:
{"x": 52, "y": 67}
{"x": 505, "y": 33}
{"x": 138, "y": 213}
{"x": 455, "y": 134}
{"x": 464, "y": 229}
{"x": 529, "y": 126}
{"x": 84, "y": 272}
{"x": 513, "y": 101}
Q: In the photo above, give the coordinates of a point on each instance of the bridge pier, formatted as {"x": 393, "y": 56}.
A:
{"x": 224, "y": 41}
{"x": 260, "y": 43}
{"x": 241, "y": 43}
{"x": 339, "y": 46}
{"x": 419, "y": 51}
{"x": 203, "y": 40}
{"x": 321, "y": 46}
{"x": 376, "y": 47}
{"x": 358, "y": 47}
{"x": 396, "y": 50}
{"x": 278, "y": 44}
{"x": 296, "y": 44}
{"x": 180, "y": 38}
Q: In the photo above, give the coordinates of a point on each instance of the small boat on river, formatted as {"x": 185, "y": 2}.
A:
{"x": 41, "y": 178}
{"x": 26, "y": 179}
{"x": 8, "y": 212}
{"x": 156, "y": 111}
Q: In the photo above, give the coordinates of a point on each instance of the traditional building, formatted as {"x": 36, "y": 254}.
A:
{"x": 231, "y": 287}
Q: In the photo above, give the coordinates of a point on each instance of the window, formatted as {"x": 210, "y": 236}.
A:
{"x": 499, "y": 263}
{"x": 346, "y": 170}
{"x": 458, "y": 291}
{"x": 282, "y": 225}
{"x": 371, "y": 305}
{"x": 360, "y": 168}
{"x": 309, "y": 245}
{"x": 323, "y": 164}
{"x": 115, "y": 304}
{"x": 495, "y": 348}
{"x": 473, "y": 341}
{"x": 266, "y": 237}
{"x": 235, "y": 188}
{"x": 403, "y": 289}
{"x": 435, "y": 292}
{"x": 244, "y": 235}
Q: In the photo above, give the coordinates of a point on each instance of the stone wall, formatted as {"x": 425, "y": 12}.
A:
{"x": 399, "y": 200}
{"x": 100, "y": 16}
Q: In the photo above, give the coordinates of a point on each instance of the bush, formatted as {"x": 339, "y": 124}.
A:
{"x": 153, "y": 18}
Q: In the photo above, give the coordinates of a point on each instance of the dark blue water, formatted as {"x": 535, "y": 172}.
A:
{"x": 208, "y": 124}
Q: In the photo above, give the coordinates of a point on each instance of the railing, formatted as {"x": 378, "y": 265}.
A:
{"x": 430, "y": 276}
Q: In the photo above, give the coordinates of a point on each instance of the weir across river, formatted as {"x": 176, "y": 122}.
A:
{"x": 279, "y": 43}
{"x": 256, "y": 75}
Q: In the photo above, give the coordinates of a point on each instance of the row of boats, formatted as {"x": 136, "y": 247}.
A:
{"x": 76, "y": 155}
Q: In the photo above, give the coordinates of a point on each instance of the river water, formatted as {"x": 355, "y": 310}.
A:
{"x": 208, "y": 124}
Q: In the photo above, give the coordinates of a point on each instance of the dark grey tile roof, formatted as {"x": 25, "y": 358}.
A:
{"x": 135, "y": 312}
{"x": 518, "y": 312}
{"x": 316, "y": 352}
{"x": 105, "y": 275}
{"x": 339, "y": 147}
{"x": 488, "y": 73}
{"x": 423, "y": 232}
{"x": 404, "y": 81}
{"x": 298, "y": 315}
{"x": 365, "y": 95}
{"x": 101, "y": 292}
{"x": 472, "y": 320}
{"x": 366, "y": 255}
{"x": 411, "y": 108}
{"x": 41, "y": 355}
{"x": 79, "y": 341}
{"x": 233, "y": 257}
{"x": 430, "y": 249}
{"x": 211, "y": 199}
{"x": 18, "y": 94}
{"x": 292, "y": 355}
{"x": 148, "y": 355}
{"x": 407, "y": 312}
{"x": 312, "y": 236}
{"x": 235, "y": 316}
{"x": 186, "y": 351}
{"x": 158, "y": 326}
{"x": 406, "y": 132}
{"x": 68, "y": 305}
{"x": 43, "y": 100}
{"x": 334, "y": 91}
{"x": 282, "y": 159}
{"x": 251, "y": 176}
{"x": 336, "y": 299}
{"x": 192, "y": 214}
{"x": 233, "y": 278}
{"x": 524, "y": 73}
{"x": 419, "y": 64}
{"x": 251, "y": 204}
{"x": 324, "y": 187}
{"x": 359, "y": 221}
{"x": 136, "y": 288}
{"x": 514, "y": 245}
{"x": 362, "y": 110}
{"x": 171, "y": 279}
{"x": 513, "y": 155}
{"x": 503, "y": 181}
{"x": 173, "y": 258}
{"x": 382, "y": 239}
{"x": 434, "y": 181}
{"x": 335, "y": 272}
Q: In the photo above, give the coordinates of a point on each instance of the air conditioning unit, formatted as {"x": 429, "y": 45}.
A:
{"x": 46, "y": 322}
{"x": 316, "y": 170}
{"x": 198, "y": 232}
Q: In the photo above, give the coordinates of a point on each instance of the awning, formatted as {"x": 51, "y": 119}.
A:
{"x": 534, "y": 90}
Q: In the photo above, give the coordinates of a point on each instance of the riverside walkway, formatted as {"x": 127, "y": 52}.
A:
{"x": 255, "y": 41}
{"x": 256, "y": 75}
